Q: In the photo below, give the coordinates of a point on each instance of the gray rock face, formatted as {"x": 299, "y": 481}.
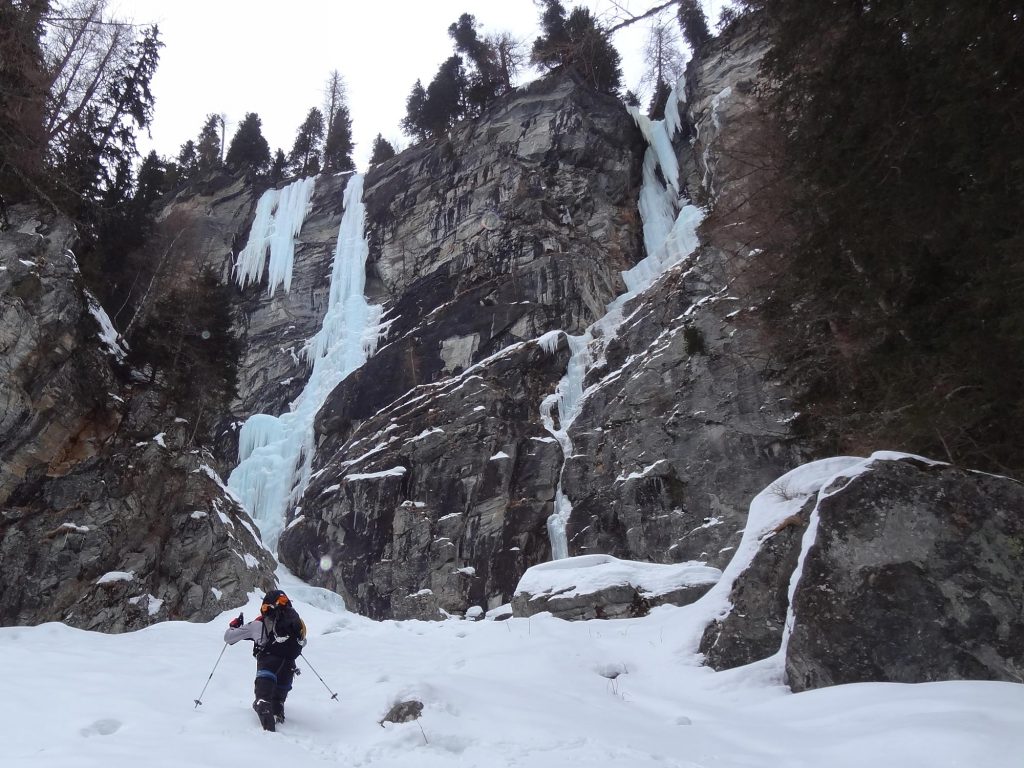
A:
{"x": 519, "y": 225}
{"x": 679, "y": 430}
{"x": 126, "y": 540}
{"x": 54, "y": 379}
{"x": 440, "y": 501}
{"x": 686, "y": 419}
{"x": 82, "y": 500}
{"x": 916, "y": 574}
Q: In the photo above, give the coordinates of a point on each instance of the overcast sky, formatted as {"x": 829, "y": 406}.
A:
{"x": 273, "y": 57}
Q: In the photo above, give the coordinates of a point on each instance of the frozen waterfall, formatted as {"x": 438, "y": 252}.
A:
{"x": 275, "y": 453}
{"x": 670, "y": 224}
{"x": 279, "y": 217}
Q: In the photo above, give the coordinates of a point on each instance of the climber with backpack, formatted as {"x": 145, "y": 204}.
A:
{"x": 278, "y": 636}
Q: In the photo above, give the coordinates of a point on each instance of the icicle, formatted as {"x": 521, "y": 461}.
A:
{"x": 279, "y": 217}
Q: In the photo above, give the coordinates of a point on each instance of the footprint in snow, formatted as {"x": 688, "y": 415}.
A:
{"x": 103, "y": 727}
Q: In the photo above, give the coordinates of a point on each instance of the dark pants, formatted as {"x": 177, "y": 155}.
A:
{"x": 274, "y": 680}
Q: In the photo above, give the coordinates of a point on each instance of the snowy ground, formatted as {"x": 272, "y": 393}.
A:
{"x": 524, "y": 692}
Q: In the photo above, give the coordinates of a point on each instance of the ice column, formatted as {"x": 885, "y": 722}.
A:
{"x": 670, "y": 224}
{"x": 276, "y": 453}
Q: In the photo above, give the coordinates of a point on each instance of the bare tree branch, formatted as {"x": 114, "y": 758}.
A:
{"x": 646, "y": 15}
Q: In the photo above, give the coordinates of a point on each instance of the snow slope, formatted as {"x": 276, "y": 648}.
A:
{"x": 524, "y": 692}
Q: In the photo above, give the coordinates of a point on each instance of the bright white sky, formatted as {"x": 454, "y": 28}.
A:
{"x": 273, "y": 57}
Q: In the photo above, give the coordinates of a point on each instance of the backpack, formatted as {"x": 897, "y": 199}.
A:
{"x": 285, "y": 621}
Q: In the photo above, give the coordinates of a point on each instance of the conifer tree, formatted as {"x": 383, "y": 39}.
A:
{"x": 382, "y": 150}
{"x": 208, "y": 147}
{"x": 305, "y": 157}
{"x": 577, "y": 41}
{"x": 22, "y": 95}
{"x": 278, "y": 166}
{"x": 694, "y": 24}
{"x": 445, "y": 104}
{"x": 338, "y": 145}
{"x": 188, "y": 160}
{"x": 413, "y": 123}
{"x": 248, "y": 148}
{"x": 483, "y": 83}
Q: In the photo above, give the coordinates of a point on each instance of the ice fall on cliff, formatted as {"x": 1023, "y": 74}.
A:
{"x": 275, "y": 453}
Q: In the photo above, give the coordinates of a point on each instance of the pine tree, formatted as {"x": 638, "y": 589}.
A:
{"x": 578, "y": 42}
{"x": 445, "y": 103}
{"x": 278, "y": 167}
{"x": 413, "y": 123}
{"x": 248, "y": 149}
{"x": 22, "y": 95}
{"x": 656, "y": 109}
{"x": 208, "y": 147}
{"x": 382, "y": 150}
{"x": 483, "y": 83}
{"x": 188, "y": 160}
{"x": 694, "y": 24}
{"x": 304, "y": 159}
{"x": 338, "y": 145}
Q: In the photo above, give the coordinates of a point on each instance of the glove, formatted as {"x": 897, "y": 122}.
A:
{"x": 236, "y": 622}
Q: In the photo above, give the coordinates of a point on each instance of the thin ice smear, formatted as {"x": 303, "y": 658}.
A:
{"x": 275, "y": 454}
{"x": 670, "y": 224}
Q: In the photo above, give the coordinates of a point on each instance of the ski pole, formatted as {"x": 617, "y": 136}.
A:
{"x": 334, "y": 696}
{"x": 200, "y": 699}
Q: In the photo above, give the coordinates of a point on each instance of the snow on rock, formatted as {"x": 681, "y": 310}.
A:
{"x": 112, "y": 576}
{"x": 108, "y": 335}
{"x": 392, "y": 472}
{"x": 602, "y": 586}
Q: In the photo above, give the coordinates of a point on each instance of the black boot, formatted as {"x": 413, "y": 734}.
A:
{"x": 265, "y": 712}
{"x": 278, "y": 710}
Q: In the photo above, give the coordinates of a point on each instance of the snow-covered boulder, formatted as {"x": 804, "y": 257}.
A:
{"x": 605, "y": 587}
{"x": 889, "y": 569}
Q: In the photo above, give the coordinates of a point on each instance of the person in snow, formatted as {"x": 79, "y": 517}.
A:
{"x": 278, "y": 635}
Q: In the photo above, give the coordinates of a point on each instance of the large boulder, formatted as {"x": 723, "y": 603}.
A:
{"x": 916, "y": 574}
{"x": 604, "y": 587}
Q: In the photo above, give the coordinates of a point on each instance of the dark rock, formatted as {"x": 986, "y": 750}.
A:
{"x": 916, "y": 574}
{"x": 403, "y": 712}
{"x": 56, "y": 382}
{"x": 754, "y": 627}
{"x": 83, "y": 503}
{"x": 440, "y": 501}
